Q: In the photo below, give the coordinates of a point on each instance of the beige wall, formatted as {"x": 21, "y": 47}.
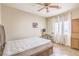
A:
{"x": 18, "y": 24}
{"x": 49, "y": 25}
{"x": 75, "y": 13}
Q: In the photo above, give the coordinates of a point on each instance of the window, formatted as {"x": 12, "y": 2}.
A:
{"x": 66, "y": 26}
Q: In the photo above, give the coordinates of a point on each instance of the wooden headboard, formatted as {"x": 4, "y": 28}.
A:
{"x": 2, "y": 39}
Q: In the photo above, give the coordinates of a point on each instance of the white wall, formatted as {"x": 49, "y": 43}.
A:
{"x": 18, "y": 24}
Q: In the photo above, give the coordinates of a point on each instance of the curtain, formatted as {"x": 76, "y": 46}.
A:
{"x": 61, "y": 28}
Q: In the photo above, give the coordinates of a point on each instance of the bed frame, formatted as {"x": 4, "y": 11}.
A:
{"x": 46, "y": 52}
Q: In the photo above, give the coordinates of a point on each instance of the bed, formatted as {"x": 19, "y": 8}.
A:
{"x": 33, "y": 46}
{"x": 28, "y": 47}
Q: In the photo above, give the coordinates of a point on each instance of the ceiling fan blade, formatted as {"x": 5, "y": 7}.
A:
{"x": 44, "y": 4}
{"x": 54, "y": 6}
{"x": 41, "y": 8}
{"x": 40, "y": 3}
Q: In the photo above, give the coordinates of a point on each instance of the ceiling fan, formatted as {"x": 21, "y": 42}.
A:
{"x": 47, "y": 6}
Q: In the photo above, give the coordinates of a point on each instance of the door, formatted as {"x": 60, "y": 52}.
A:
{"x": 75, "y": 34}
{"x": 75, "y": 43}
{"x": 75, "y": 26}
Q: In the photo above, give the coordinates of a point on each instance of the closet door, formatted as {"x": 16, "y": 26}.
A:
{"x": 75, "y": 43}
{"x": 75, "y": 34}
{"x": 75, "y": 26}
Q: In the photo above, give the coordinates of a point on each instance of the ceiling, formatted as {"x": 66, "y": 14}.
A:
{"x": 33, "y": 7}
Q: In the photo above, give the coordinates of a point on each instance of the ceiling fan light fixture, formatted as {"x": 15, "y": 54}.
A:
{"x": 48, "y": 5}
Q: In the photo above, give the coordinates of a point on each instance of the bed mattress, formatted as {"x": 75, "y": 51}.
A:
{"x": 16, "y": 46}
